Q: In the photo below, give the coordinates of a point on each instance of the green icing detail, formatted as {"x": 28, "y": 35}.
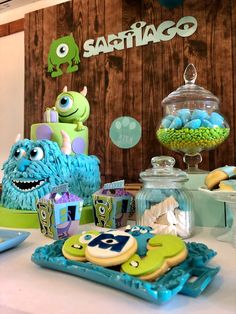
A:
{"x": 75, "y": 247}
{"x": 166, "y": 246}
{"x": 192, "y": 141}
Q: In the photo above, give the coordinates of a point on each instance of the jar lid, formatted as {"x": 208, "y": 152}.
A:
{"x": 190, "y": 92}
{"x": 163, "y": 170}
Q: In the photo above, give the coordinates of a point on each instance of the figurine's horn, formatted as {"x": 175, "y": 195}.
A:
{"x": 65, "y": 89}
{"x": 84, "y": 91}
{"x": 66, "y": 144}
{"x": 17, "y": 138}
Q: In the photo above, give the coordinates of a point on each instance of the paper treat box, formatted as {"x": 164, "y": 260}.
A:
{"x": 111, "y": 205}
{"x": 59, "y": 214}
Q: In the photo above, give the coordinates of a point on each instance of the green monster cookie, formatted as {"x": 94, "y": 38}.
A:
{"x": 192, "y": 141}
{"x": 164, "y": 251}
{"x": 74, "y": 247}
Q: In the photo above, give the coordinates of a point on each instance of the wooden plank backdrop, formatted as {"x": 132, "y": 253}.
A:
{"x": 133, "y": 81}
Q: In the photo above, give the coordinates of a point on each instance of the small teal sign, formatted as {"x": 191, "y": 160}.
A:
{"x": 125, "y": 132}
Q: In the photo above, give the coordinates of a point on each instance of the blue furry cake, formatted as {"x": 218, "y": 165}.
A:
{"x": 34, "y": 168}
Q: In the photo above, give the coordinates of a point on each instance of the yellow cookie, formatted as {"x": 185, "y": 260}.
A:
{"x": 164, "y": 252}
{"x": 214, "y": 178}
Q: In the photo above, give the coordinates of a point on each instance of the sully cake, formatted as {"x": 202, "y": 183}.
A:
{"x": 71, "y": 110}
{"x": 34, "y": 168}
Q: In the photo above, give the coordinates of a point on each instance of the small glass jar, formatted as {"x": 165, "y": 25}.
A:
{"x": 164, "y": 203}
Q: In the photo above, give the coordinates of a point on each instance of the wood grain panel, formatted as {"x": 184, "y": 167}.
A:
{"x": 220, "y": 70}
{"x": 34, "y": 69}
{"x": 132, "y": 88}
{"x": 12, "y": 27}
{"x": 114, "y": 66}
{"x": 133, "y": 81}
{"x": 152, "y": 86}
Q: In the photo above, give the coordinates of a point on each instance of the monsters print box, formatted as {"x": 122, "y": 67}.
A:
{"x": 59, "y": 214}
{"x": 111, "y": 205}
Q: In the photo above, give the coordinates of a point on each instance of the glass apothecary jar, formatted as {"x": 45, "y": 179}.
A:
{"x": 192, "y": 122}
{"x": 164, "y": 203}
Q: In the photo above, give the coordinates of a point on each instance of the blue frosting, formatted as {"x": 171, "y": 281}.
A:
{"x": 29, "y": 176}
{"x": 198, "y": 118}
{"x": 142, "y": 234}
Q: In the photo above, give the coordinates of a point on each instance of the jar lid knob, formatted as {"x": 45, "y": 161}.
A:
{"x": 163, "y": 162}
{"x": 190, "y": 74}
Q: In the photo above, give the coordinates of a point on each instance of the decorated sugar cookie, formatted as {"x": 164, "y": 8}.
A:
{"x": 142, "y": 235}
{"x": 74, "y": 247}
{"x": 164, "y": 251}
{"x": 228, "y": 185}
{"x": 111, "y": 248}
{"x": 214, "y": 178}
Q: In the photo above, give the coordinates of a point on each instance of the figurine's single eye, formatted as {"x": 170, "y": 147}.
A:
{"x": 101, "y": 210}
{"x": 36, "y": 153}
{"x": 19, "y": 153}
{"x": 62, "y": 50}
{"x": 64, "y": 103}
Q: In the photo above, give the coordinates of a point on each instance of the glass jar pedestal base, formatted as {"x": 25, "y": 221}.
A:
{"x": 192, "y": 161}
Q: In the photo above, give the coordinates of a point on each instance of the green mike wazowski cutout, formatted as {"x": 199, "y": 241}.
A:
{"x": 63, "y": 50}
{"x": 73, "y": 107}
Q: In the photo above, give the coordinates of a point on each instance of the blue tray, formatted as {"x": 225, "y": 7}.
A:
{"x": 11, "y": 238}
{"x": 177, "y": 280}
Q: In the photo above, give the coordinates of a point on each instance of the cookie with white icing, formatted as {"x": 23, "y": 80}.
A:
{"x": 111, "y": 248}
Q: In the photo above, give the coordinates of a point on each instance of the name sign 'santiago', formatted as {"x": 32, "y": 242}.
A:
{"x": 140, "y": 34}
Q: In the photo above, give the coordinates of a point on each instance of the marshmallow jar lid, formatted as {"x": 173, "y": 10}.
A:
{"x": 163, "y": 174}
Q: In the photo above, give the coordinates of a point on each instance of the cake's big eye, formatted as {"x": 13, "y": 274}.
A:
{"x": 36, "y": 153}
{"x": 64, "y": 103}
{"x": 19, "y": 153}
{"x": 62, "y": 50}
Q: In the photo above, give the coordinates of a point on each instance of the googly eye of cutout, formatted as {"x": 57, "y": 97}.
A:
{"x": 62, "y": 50}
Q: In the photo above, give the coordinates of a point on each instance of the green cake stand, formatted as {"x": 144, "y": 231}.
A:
{"x": 15, "y": 218}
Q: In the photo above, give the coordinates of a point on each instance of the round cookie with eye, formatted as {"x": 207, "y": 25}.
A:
{"x": 214, "y": 178}
{"x": 111, "y": 248}
{"x": 164, "y": 252}
{"x": 74, "y": 247}
{"x": 142, "y": 235}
